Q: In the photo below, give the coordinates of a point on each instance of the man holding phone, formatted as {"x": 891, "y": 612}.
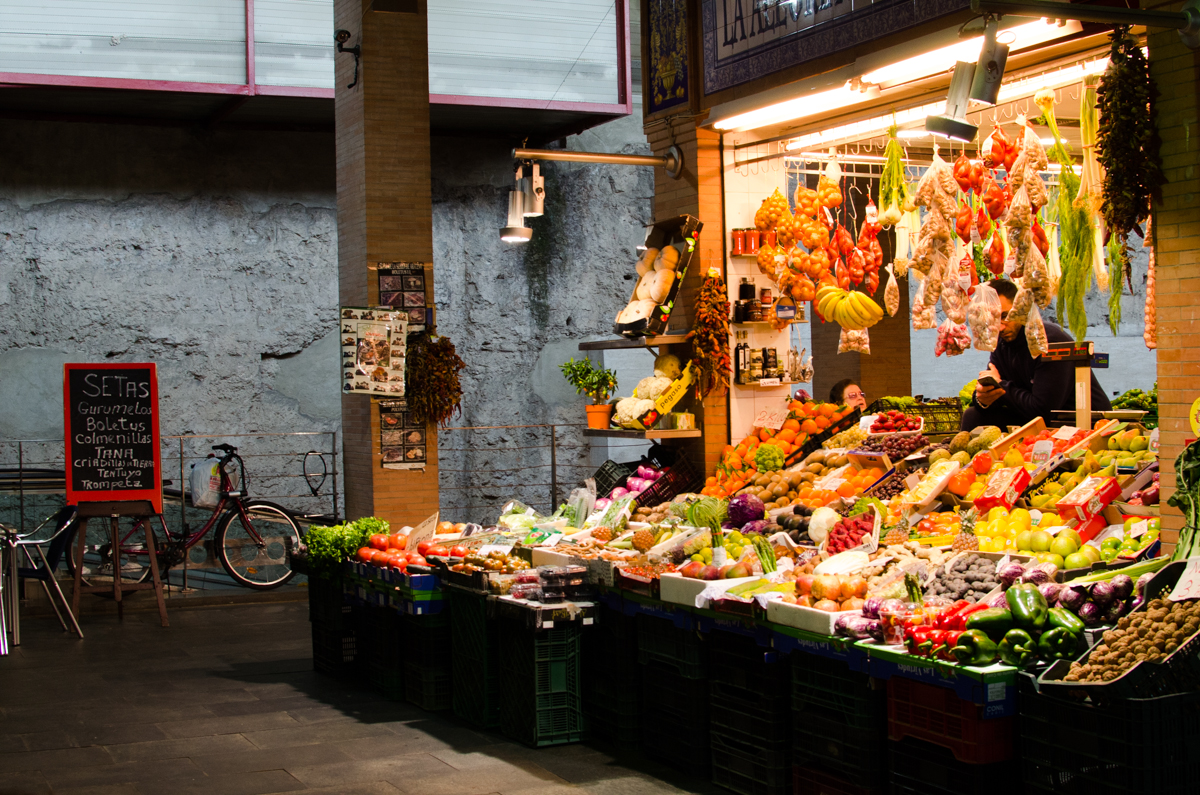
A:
{"x": 1016, "y": 387}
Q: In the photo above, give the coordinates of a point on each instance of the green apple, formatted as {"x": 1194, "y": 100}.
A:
{"x": 1112, "y": 542}
{"x": 1078, "y": 561}
{"x": 1050, "y": 557}
{"x": 1090, "y": 552}
{"x": 1024, "y": 539}
{"x": 1063, "y": 545}
{"x": 1040, "y": 541}
{"x": 1070, "y": 533}
{"x": 1108, "y": 553}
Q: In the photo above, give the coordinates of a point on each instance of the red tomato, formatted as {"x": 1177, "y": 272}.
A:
{"x": 417, "y": 561}
{"x": 397, "y": 540}
{"x": 365, "y": 554}
{"x": 459, "y": 551}
{"x": 379, "y": 557}
{"x": 379, "y": 541}
{"x": 424, "y": 546}
{"x": 437, "y": 550}
{"x": 411, "y": 556}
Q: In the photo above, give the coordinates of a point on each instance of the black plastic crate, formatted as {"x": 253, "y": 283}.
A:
{"x": 675, "y": 718}
{"x": 335, "y": 651}
{"x": 839, "y": 721}
{"x": 660, "y": 641}
{"x": 612, "y": 727}
{"x": 426, "y": 639}
{"x": 539, "y": 691}
{"x": 744, "y": 669}
{"x": 327, "y": 603}
{"x": 815, "y": 781}
{"x": 429, "y": 688}
{"x": 610, "y": 475}
{"x": 681, "y": 477}
{"x": 1123, "y": 746}
{"x": 749, "y": 767}
{"x": 475, "y": 659}
{"x": 916, "y": 767}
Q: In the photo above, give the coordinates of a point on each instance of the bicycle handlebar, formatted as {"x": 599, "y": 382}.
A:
{"x": 225, "y": 448}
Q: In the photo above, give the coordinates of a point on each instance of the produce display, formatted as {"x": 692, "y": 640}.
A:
{"x": 895, "y": 422}
{"x": 1146, "y": 636}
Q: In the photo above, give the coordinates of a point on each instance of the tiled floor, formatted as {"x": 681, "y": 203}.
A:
{"x": 225, "y": 702}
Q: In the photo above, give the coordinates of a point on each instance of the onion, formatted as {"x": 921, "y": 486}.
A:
{"x": 1091, "y": 614}
{"x": 1050, "y": 591}
{"x": 636, "y": 485}
{"x": 1073, "y": 598}
{"x": 1103, "y": 594}
{"x": 602, "y": 503}
{"x": 618, "y": 493}
{"x": 1142, "y": 582}
{"x": 1135, "y": 603}
{"x": 828, "y": 605}
{"x": 870, "y": 608}
{"x": 1122, "y": 585}
{"x": 645, "y": 472}
{"x": 1036, "y": 576}
{"x": 1011, "y": 573}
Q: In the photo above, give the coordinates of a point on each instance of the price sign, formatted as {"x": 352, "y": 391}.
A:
{"x": 770, "y": 382}
{"x": 771, "y": 418}
{"x": 1188, "y": 586}
{"x": 1042, "y": 451}
{"x": 1139, "y": 528}
{"x": 424, "y": 530}
{"x": 1154, "y": 441}
{"x": 1064, "y": 433}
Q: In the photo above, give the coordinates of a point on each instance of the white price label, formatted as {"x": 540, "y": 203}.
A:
{"x": 1139, "y": 528}
{"x": 1188, "y": 586}
{"x": 1041, "y": 451}
{"x": 1064, "y": 433}
{"x": 770, "y": 382}
{"x": 771, "y": 418}
{"x": 975, "y": 238}
{"x": 488, "y": 549}
{"x": 1154, "y": 441}
{"x": 1010, "y": 265}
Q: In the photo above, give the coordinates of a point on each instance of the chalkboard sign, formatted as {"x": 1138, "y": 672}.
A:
{"x": 111, "y": 422}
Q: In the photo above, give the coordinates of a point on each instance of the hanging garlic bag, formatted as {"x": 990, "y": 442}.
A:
{"x": 923, "y": 316}
{"x": 1021, "y": 306}
{"x": 952, "y": 339}
{"x": 983, "y": 317}
{"x": 1035, "y": 333}
{"x": 954, "y": 301}
{"x": 891, "y": 293}
{"x": 854, "y": 341}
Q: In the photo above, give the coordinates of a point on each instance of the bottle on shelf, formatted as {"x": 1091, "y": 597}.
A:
{"x": 756, "y": 364}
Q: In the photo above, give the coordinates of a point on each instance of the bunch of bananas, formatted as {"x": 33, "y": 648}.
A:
{"x": 850, "y": 309}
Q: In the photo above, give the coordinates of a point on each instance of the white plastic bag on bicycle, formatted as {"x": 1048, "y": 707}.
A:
{"x": 205, "y": 484}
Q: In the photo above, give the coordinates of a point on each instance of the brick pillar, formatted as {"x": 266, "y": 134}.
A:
{"x": 1176, "y": 69}
{"x": 697, "y": 192}
{"x": 384, "y": 215}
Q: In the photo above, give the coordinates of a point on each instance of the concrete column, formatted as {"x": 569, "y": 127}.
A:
{"x": 384, "y": 215}
{"x": 1176, "y": 70}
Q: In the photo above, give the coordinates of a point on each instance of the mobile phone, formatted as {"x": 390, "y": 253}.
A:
{"x": 988, "y": 381}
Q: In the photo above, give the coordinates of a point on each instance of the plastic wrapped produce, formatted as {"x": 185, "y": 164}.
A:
{"x": 1037, "y": 277}
{"x": 952, "y": 338}
{"x": 936, "y": 278}
{"x": 891, "y": 293}
{"x": 922, "y": 316}
{"x": 954, "y": 300}
{"x": 854, "y": 341}
{"x": 1035, "y": 333}
{"x": 983, "y": 317}
{"x": 1021, "y": 306}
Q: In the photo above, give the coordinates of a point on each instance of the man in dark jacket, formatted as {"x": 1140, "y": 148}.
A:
{"x": 1027, "y": 387}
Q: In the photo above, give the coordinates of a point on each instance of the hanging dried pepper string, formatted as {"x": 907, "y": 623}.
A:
{"x": 432, "y": 388}
{"x": 710, "y": 335}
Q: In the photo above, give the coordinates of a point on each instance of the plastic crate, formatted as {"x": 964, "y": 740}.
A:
{"x": 816, "y": 440}
{"x": 813, "y": 781}
{"x": 750, "y": 768}
{"x": 1126, "y": 746}
{"x": 941, "y": 416}
{"x": 742, "y": 668}
{"x": 335, "y": 651}
{"x": 919, "y": 768}
{"x": 680, "y": 477}
{"x": 475, "y": 662}
{"x": 610, "y": 475}
{"x": 381, "y": 650}
{"x": 683, "y": 650}
{"x": 937, "y": 715}
{"x": 429, "y": 688}
{"x": 327, "y": 602}
{"x": 675, "y": 718}
{"x": 539, "y": 692}
{"x": 426, "y": 639}
{"x": 839, "y": 722}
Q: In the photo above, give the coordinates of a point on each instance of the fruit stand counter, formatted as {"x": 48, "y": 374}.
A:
{"x": 992, "y": 686}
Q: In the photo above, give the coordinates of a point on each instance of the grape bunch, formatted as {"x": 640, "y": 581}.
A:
{"x": 896, "y": 447}
{"x": 894, "y": 485}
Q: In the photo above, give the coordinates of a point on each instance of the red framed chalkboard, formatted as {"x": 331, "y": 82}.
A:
{"x": 111, "y": 428}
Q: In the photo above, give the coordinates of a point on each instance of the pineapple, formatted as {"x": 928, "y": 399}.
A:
{"x": 966, "y": 540}
{"x": 898, "y": 534}
{"x": 642, "y": 540}
{"x": 603, "y": 534}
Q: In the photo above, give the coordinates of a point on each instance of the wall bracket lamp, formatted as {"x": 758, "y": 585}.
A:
{"x": 672, "y": 161}
{"x": 341, "y": 37}
{"x": 1186, "y": 21}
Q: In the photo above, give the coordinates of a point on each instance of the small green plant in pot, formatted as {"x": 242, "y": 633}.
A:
{"x": 595, "y": 382}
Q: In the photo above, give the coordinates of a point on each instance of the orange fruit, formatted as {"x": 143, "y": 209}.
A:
{"x": 822, "y": 422}
{"x": 847, "y": 489}
{"x": 787, "y": 434}
{"x": 809, "y": 427}
{"x": 791, "y": 425}
{"x": 827, "y": 409}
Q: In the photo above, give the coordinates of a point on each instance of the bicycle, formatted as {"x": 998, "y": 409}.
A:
{"x": 252, "y": 542}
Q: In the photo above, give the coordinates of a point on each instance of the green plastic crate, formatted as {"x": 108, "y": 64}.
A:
{"x": 539, "y": 692}
{"x": 429, "y": 688}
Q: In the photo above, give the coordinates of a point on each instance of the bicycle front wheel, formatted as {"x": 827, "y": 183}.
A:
{"x": 254, "y": 548}
{"x": 134, "y": 560}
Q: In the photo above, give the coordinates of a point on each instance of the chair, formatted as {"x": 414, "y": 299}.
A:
{"x": 50, "y": 550}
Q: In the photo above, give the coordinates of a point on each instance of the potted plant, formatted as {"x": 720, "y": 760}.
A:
{"x": 595, "y": 382}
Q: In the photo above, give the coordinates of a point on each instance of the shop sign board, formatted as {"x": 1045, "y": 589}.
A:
{"x": 744, "y": 40}
{"x": 111, "y": 433}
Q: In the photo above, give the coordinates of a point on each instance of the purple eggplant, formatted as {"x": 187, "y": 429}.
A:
{"x": 1050, "y": 591}
{"x": 1134, "y": 604}
{"x": 1142, "y": 582}
{"x": 855, "y": 627}
{"x": 1122, "y": 586}
{"x": 1103, "y": 594}
{"x": 870, "y": 608}
{"x": 1113, "y": 612}
{"x": 1011, "y": 573}
{"x": 1036, "y": 576}
{"x": 998, "y": 600}
{"x": 1091, "y": 614}
{"x": 1073, "y": 598}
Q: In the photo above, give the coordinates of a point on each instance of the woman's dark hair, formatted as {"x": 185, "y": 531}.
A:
{"x": 1004, "y": 288}
{"x": 839, "y": 389}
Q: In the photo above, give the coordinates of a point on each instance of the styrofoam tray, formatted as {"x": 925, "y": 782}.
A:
{"x": 681, "y": 590}
{"x": 867, "y": 421}
{"x": 807, "y": 618}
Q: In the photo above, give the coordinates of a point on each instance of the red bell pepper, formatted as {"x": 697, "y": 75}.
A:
{"x": 956, "y": 617}
{"x": 918, "y": 641}
{"x": 949, "y": 641}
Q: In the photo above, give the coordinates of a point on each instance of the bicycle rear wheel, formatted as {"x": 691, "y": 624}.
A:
{"x": 257, "y": 556}
{"x": 134, "y": 558}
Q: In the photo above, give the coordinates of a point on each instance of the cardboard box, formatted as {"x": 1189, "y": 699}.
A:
{"x": 682, "y": 232}
{"x": 670, "y": 396}
{"x": 1088, "y": 499}
{"x": 1003, "y": 489}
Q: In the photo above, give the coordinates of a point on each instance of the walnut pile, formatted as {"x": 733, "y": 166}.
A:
{"x": 1148, "y": 635}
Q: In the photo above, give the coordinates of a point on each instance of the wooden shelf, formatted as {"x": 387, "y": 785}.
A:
{"x": 757, "y": 385}
{"x": 619, "y": 433}
{"x": 625, "y": 344}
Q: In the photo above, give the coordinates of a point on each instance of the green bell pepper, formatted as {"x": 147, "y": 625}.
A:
{"x": 994, "y": 621}
{"x": 1018, "y": 648}
{"x": 1058, "y": 644}
{"x": 1029, "y": 609}
{"x": 974, "y": 647}
{"x": 1063, "y": 618}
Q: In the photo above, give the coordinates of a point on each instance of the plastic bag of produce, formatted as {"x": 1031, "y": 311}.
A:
{"x": 983, "y": 316}
{"x": 954, "y": 301}
{"x": 854, "y": 341}
{"x": 935, "y": 280}
{"x": 1037, "y": 277}
{"x": 1021, "y": 305}
{"x": 952, "y": 338}
{"x": 1035, "y": 333}
{"x": 891, "y": 293}
{"x": 922, "y": 316}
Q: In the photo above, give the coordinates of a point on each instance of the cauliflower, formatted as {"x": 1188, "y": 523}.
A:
{"x": 651, "y": 387}
{"x": 629, "y": 409}
{"x": 667, "y": 366}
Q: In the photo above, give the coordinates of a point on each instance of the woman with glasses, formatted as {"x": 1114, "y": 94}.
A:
{"x": 849, "y": 393}
{"x": 1016, "y": 387}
